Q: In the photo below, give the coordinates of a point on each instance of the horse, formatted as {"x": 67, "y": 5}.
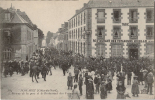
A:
{"x": 44, "y": 71}
{"x": 36, "y": 70}
{"x": 34, "y": 73}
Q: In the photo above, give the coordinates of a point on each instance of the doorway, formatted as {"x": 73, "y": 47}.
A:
{"x": 133, "y": 54}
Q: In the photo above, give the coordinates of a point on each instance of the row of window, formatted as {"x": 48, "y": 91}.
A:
{"x": 80, "y": 19}
{"x": 77, "y": 33}
{"x": 7, "y": 54}
{"x": 133, "y": 15}
{"x": 65, "y": 36}
{"x": 132, "y": 29}
{"x": 77, "y": 47}
{"x": 118, "y": 49}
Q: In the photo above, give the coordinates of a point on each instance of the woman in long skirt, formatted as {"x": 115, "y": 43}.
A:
{"x": 70, "y": 81}
{"x": 109, "y": 84}
{"x": 135, "y": 87}
{"x": 120, "y": 90}
{"x": 103, "y": 93}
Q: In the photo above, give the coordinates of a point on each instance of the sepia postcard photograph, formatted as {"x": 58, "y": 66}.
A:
{"x": 77, "y": 49}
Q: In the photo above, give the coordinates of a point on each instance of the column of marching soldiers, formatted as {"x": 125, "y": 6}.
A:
{"x": 104, "y": 70}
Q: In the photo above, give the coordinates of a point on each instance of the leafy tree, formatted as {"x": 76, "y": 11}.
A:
{"x": 40, "y": 36}
{"x": 48, "y": 37}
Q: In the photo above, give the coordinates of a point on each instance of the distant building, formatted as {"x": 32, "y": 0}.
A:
{"x": 62, "y": 37}
{"x": 113, "y": 28}
{"x": 44, "y": 42}
{"x": 19, "y": 35}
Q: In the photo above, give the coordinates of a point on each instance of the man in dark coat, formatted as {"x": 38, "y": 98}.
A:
{"x": 32, "y": 63}
{"x": 76, "y": 72}
{"x": 129, "y": 74}
{"x": 80, "y": 83}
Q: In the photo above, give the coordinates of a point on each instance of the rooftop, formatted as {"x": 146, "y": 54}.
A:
{"x": 120, "y": 3}
{"x": 16, "y": 16}
{"x": 115, "y": 4}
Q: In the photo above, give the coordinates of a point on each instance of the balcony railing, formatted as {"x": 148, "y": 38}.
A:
{"x": 149, "y": 36}
{"x": 133, "y": 36}
{"x": 116, "y": 37}
{"x": 116, "y": 20}
{"x": 149, "y": 20}
{"x": 133, "y": 20}
{"x": 101, "y": 20}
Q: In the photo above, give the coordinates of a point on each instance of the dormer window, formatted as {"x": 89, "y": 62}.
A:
{"x": 7, "y": 16}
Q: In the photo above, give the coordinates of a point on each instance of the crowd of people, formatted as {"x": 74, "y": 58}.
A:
{"x": 104, "y": 69}
{"x": 95, "y": 72}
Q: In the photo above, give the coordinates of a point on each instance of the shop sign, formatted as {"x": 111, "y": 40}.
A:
{"x": 125, "y": 24}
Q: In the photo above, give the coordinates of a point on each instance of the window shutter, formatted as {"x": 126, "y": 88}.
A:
{"x": 134, "y": 15}
{"x": 135, "y": 31}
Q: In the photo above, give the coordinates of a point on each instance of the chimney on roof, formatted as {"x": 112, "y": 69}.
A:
{"x": 85, "y": 4}
{"x": 18, "y": 10}
{"x": 62, "y": 25}
{"x": 11, "y": 5}
{"x": 77, "y": 11}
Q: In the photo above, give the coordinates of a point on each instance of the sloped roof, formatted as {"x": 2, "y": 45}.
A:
{"x": 14, "y": 19}
{"x": 121, "y": 3}
{"x": 25, "y": 17}
{"x": 18, "y": 19}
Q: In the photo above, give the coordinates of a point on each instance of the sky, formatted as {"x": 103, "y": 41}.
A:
{"x": 47, "y": 15}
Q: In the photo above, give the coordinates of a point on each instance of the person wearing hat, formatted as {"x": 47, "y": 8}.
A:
{"x": 80, "y": 83}
{"x": 90, "y": 89}
{"x": 32, "y": 63}
{"x": 109, "y": 84}
{"x": 95, "y": 82}
{"x": 144, "y": 77}
{"x": 149, "y": 82}
{"x": 76, "y": 72}
{"x": 70, "y": 81}
{"x": 120, "y": 90}
{"x": 135, "y": 87}
{"x": 103, "y": 93}
{"x": 22, "y": 68}
{"x": 129, "y": 74}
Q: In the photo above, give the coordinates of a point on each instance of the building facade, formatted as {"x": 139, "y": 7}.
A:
{"x": 113, "y": 28}
{"x": 19, "y": 35}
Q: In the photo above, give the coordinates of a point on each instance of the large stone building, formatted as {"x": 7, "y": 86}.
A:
{"x": 112, "y": 28}
{"x": 19, "y": 35}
